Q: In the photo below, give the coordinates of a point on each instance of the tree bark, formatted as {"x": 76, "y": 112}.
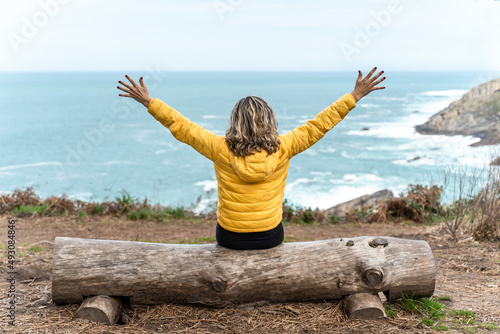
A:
{"x": 212, "y": 275}
{"x": 367, "y": 306}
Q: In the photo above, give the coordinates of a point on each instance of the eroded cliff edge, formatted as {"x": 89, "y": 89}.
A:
{"x": 476, "y": 114}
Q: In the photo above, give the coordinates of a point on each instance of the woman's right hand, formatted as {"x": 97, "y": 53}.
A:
{"x": 366, "y": 85}
{"x": 138, "y": 93}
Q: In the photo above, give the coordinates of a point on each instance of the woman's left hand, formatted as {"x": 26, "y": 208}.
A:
{"x": 138, "y": 93}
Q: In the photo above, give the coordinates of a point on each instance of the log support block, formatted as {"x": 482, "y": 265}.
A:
{"x": 101, "y": 309}
{"x": 211, "y": 275}
{"x": 366, "y": 306}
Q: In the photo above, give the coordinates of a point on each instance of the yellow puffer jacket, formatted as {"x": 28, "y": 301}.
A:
{"x": 251, "y": 188}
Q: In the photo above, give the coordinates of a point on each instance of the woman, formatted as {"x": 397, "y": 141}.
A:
{"x": 251, "y": 162}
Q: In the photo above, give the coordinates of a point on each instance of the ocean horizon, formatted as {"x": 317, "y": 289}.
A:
{"x": 69, "y": 133}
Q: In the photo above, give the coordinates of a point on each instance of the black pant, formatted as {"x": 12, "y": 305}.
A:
{"x": 251, "y": 240}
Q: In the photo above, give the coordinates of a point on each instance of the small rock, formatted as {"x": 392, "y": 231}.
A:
{"x": 44, "y": 300}
{"x": 365, "y": 129}
{"x": 495, "y": 162}
{"x": 350, "y": 243}
{"x": 422, "y": 326}
{"x": 414, "y": 159}
{"x": 360, "y": 203}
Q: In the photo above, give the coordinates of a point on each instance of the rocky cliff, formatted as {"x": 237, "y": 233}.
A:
{"x": 477, "y": 114}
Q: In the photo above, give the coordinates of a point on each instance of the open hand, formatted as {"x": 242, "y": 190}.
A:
{"x": 366, "y": 85}
{"x": 138, "y": 93}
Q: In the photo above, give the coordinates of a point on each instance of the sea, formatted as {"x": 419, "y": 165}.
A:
{"x": 69, "y": 133}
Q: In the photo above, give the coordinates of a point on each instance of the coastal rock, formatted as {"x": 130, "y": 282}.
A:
{"x": 477, "y": 114}
{"x": 495, "y": 162}
{"x": 360, "y": 202}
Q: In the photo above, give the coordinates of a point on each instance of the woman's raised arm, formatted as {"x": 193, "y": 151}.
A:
{"x": 205, "y": 142}
{"x": 304, "y": 136}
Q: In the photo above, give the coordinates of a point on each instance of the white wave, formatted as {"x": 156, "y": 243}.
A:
{"x": 450, "y": 92}
{"x": 349, "y": 177}
{"x": 414, "y": 161}
{"x": 143, "y": 135}
{"x": 346, "y": 155}
{"x": 327, "y": 199}
{"x": 320, "y": 173}
{"x": 207, "y": 184}
{"x": 115, "y": 162}
{"x": 211, "y": 116}
{"x": 326, "y": 150}
{"x": 162, "y": 151}
{"x": 294, "y": 184}
{"x": 385, "y": 130}
{"x": 84, "y": 196}
{"x": 368, "y": 105}
{"x": 30, "y": 165}
{"x": 204, "y": 204}
{"x": 354, "y": 116}
{"x": 323, "y": 195}
{"x": 352, "y": 179}
{"x": 310, "y": 152}
{"x": 99, "y": 174}
{"x": 358, "y": 178}
{"x": 391, "y": 98}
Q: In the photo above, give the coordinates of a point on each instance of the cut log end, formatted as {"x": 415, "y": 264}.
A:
{"x": 100, "y": 309}
{"x": 365, "y": 306}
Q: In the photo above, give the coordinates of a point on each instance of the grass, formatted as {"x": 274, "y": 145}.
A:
{"x": 29, "y": 209}
{"x": 125, "y": 201}
{"x": 176, "y": 213}
{"x": 464, "y": 316}
{"x": 421, "y": 205}
{"x": 436, "y": 315}
{"x": 488, "y": 325}
{"x": 389, "y": 311}
{"x": 204, "y": 240}
{"x": 295, "y": 239}
{"x": 163, "y": 214}
{"x": 35, "y": 249}
{"x": 430, "y": 308}
{"x": 181, "y": 241}
{"x": 98, "y": 210}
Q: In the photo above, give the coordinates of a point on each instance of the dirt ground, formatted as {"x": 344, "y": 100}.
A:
{"x": 468, "y": 278}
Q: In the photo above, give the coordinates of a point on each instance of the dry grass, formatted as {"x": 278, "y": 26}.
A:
{"x": 470, "y": 276}
{"x": 323, "y": 317}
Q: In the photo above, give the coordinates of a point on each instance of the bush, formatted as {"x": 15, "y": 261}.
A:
{"x": 418, "y": 205}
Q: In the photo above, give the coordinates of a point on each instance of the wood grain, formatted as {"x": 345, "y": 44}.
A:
{"x": 151, "y": 273}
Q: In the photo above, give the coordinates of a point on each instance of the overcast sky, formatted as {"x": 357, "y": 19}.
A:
{"x": 249, "y": 35}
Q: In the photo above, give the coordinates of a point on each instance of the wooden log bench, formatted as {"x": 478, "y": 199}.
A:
{"x": 153, "y": 273}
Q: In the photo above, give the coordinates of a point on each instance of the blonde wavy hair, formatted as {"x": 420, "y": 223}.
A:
{"x": 252, "y": 128}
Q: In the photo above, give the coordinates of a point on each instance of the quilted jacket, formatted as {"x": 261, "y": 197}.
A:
{"x": 251, "y": 188}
